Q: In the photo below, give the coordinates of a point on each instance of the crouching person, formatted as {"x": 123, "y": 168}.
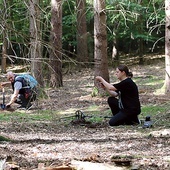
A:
{"x": 124, "y": 98}
{"x": 23, "y": 92}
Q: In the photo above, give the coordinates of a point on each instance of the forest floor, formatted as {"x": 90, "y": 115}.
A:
{"x": 58, "y": 141}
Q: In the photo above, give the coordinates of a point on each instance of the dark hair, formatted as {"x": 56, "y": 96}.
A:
{"x": 126, "y": 70}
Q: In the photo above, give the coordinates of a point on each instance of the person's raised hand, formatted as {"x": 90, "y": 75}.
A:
{"x": 98, "y": 78}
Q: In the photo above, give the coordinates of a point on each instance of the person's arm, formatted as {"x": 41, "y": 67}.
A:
{"x": 17, "y": 87}
{"x": 13, "y": 97}
{"x": 3, "y": 84}
{"x": 105, "y": 84}
{"x": 113, "y": 93}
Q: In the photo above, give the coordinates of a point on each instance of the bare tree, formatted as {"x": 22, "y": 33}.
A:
{"x": 56, "y": 44}
{"x": 167, "y": 46}
{"x": 4, "y": 52}
{"x": 82, "y": 52}
{"x": 4, "y": 37}
{"x": 140, "y": 30}
{"x": 100, "y": 39}
{"x": 35, "y": 40}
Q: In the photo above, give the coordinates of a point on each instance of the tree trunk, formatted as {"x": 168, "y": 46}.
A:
{"x": 35, "y": 41}
{"x": 167, "y": 47}
{"x": 115, "y": 53}
{"x": 4, "y": 45}
{"x": 56, "y": 44}
{"x": 4, "y": 53}
{"x": 100, "y": 40}
{"x": 140, "y": 30}
{"x": 82, "y": 52}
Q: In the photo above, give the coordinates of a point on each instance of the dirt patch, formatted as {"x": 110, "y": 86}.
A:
{"x": 59, "y": 142}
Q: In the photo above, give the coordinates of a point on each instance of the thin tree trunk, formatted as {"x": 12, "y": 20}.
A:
{"x": 100, "y": 39}
{"x": 4, "y": 53}
{"x": 140, "y": 42}
{"x": 115, "y": 50}
{"x": 115, "y": 53}
{"x": 167, "y": 47}
{"x": 56, "y": 44}
{"x": 35, "y": 41}
{"x": 4, "y": 45}
{"x": 82, "y": 52}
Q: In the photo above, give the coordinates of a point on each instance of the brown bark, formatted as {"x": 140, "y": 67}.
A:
{"x": 4, "y": 53}
{"x": 140, "y": 30}
{"x": 82, "y": 52}
{"x": 100, "y": 39}
{"x": 35, "y": 41}
{"x": 4, "y": 45}
{"x": 56, "y": 44}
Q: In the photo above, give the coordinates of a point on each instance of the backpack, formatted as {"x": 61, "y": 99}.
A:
{"x": 30, "y": 80}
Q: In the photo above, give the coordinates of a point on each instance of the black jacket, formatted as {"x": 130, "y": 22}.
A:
{"x": 24, "y": 84}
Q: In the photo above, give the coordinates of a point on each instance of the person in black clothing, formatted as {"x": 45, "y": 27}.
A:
{"x": 22, "y": 93}
{"x": 126, "y": 107}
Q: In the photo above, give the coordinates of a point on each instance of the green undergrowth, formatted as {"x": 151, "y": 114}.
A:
{"x": 148, "y": 82}
{"x": 160, "y": 115}
{"x": 46, "y": 115}
{"x": 3, "y": 138}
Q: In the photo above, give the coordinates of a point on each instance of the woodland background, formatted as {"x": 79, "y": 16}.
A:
{"x": 65, "y": 44}
{"x": 54, "y": 36}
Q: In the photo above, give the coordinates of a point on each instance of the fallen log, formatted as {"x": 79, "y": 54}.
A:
{"x": 41, "y": 166}
{"x": 80, "y": 165}
{"x": 59, "y": 168}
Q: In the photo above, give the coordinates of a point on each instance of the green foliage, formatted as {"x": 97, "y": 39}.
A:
{"x": 17, "y": 22}
{"x": 95, "y": 92}
{"x": 2, "y": 138}
{"x": 127, "y": 22}
{"x": 154, "y": 110}
{"x": 151, "y": 80}
{"x": 20, "y": 116}
{"x": 159, "y": 114}
{"x": 69, "y": 27}
{"x": 96, "y": 119}
{"x": 42, "y": 93}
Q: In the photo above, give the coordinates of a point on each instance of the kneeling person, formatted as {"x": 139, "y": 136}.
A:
{"x": 23, "y": 94}
{"x": 126, "y": 107}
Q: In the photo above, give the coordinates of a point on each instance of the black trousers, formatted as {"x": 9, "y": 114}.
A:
{"x": 24, "y": 100}
{"x": 119, "y": 117}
